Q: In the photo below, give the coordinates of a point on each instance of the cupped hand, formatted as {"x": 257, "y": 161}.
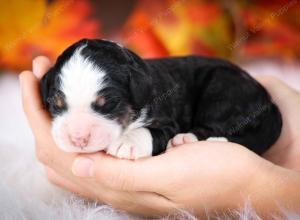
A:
{"x": 199, "y": 177}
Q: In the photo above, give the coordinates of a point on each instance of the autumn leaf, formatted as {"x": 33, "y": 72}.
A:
{"x": 35, "y": 27}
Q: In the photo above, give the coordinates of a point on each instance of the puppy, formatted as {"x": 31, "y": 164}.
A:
{"x": 103, "y": 96}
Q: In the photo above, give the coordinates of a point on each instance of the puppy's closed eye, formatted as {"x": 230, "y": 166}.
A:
{"x": 57, "y": 102}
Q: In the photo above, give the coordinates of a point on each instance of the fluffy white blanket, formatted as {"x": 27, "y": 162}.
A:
{"x": 25, "y": 193}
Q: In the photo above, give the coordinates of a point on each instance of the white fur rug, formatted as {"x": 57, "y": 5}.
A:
{"x": 25, "y": 192}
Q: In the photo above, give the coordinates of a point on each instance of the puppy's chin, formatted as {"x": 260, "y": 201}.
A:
{"x": 72, "y": 149}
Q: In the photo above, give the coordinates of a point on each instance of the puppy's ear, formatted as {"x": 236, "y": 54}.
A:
{"x": 46, "y": 83}
{"x": 140, "y": 81}
{"x": 140, "y": 88}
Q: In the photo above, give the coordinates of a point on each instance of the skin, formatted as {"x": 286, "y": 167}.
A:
{"x": 203, "y": 177}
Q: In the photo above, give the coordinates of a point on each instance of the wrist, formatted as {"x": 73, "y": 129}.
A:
{"x": 253, "y": 177}
{"x": 273, "y": 189}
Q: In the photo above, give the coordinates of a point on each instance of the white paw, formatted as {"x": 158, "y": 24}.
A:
{"x": 123, "y": 149}
{"x": 182, "y": 138}
{"x": 223, "y": 139}
{"x": 132, "y": 145}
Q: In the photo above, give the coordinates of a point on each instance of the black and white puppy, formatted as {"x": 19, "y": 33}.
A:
{"x": 103, "y": 96}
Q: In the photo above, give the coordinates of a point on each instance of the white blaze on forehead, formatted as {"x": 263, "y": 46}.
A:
{"x": 81, "y": 80}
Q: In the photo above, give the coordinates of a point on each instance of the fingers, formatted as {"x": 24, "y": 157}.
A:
{"x": 51, "y": 156}
{"x": 40, "y": 122}
{"x": 64, "y": 183}
{"x": 40, "y": 65}
{"x": 278, "y": 89}
{"x": 284, "y": 96}
{"x": 38, "y": 118}
{"x": 142, "y": 203}
{"x": 139, "y": 175}
{"x": 31, "y": 98}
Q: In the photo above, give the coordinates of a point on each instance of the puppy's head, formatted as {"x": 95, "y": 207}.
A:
{"x": 96, "y": 91}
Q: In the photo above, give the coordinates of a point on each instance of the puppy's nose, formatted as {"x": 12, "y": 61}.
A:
{"x": 80, "y": 140}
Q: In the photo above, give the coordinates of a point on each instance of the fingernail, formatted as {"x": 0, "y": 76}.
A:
{"x": 35, "y": 68}
{"x": 82, "y": 167}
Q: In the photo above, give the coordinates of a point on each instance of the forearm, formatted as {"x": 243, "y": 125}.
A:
{"x": 275, "y": 190}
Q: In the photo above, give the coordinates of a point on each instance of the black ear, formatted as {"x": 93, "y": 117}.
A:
{"x": 140, "y": 88}
{"x": 140, "y": 81}
{"x": 46, "y": 83}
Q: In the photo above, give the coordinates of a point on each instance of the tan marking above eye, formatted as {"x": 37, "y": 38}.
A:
{"x": 59, "y": 102}
{"x": 100, "y": 100}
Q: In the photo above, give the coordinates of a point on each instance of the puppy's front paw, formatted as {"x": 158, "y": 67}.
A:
{"x": 123, "y": 149}
{"x": 222, "y": 139}
{"x": 132, "y": 145}
{"x": 182, "y": 138}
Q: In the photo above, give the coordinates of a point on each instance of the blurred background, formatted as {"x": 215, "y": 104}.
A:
{"x": 241, "y": 31}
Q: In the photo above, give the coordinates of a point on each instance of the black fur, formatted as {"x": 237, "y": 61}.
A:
{"x": 206, "y": 96}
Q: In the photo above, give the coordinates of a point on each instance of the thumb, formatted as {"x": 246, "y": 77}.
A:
{"x": 119, "y": 174}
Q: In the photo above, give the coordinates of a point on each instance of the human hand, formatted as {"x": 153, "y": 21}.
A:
{"x": 286, "y": 151}
{"x": 197, "y": 176}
